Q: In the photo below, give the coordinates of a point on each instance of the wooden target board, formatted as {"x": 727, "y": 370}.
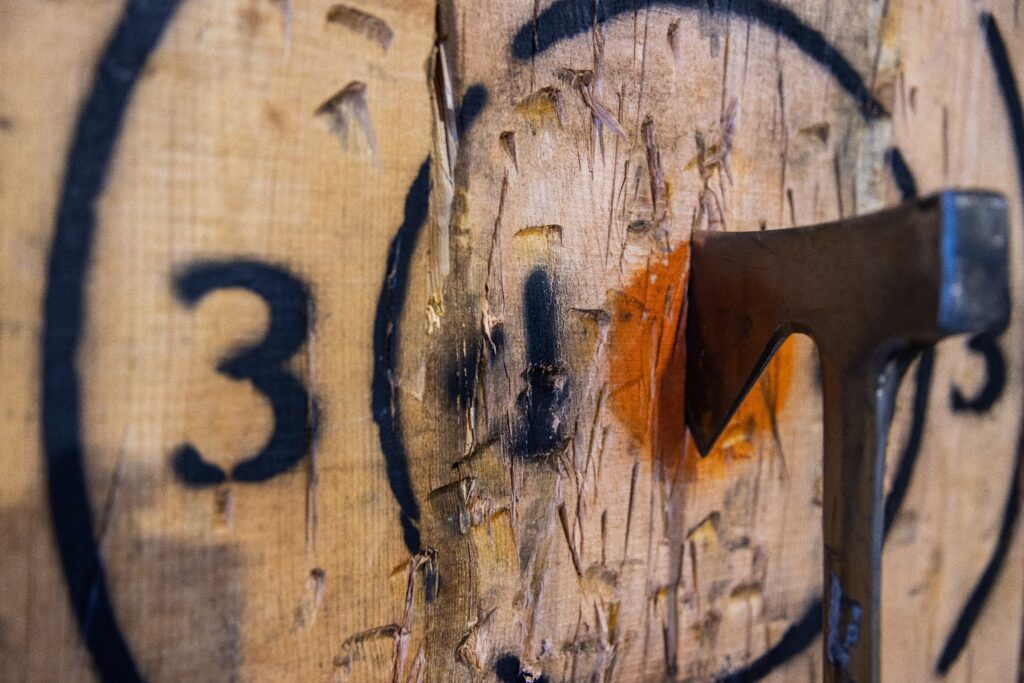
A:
{"x": 337, "y": 339}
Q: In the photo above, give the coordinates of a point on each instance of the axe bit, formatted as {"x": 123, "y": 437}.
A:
{"x": 871, "y": 291}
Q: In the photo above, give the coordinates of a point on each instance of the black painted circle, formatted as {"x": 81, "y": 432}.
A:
{"x": 95, "y": 138}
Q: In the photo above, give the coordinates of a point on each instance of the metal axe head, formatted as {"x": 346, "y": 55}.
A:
{"x": 863, "y": 288}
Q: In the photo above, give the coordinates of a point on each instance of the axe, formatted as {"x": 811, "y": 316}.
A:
{"x": 871, "y": 291}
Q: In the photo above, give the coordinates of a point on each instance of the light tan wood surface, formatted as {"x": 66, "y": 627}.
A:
{"x": 491, "y": 227}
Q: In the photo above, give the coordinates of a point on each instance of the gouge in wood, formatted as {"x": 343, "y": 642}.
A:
{"x": 870, "y": 291}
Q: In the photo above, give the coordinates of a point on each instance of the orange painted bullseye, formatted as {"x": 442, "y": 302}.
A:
{"x": 647, "y": 373}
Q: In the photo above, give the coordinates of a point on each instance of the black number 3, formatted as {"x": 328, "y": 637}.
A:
{"x": 261, "y": 364}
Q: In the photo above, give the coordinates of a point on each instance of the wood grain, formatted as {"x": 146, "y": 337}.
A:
{"x": 487, "y": 207}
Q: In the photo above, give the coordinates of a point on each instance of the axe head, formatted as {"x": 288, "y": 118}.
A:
{"x": 863, "y": 288}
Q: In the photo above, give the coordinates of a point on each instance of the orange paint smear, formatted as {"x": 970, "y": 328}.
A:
{"x": 646, "y": 378}
{"x": 647, "y": 375}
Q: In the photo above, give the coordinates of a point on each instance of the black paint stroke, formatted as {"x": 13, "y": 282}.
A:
{"x": 797, "y": 638}
{"x": 385, "y": 405}
{"x": 89, "y": 158}
{"x": 262, "y": 364}
{"x": 473, "y": 103}
{"x": 901, "y": 173}
{"x": 912, "y": 449}
{"x": 567, "y": 18}
{"x": 957, "y": 640}
{"x": 987, "y": 344}
{"x": 1008, "y": 89}
{"x": 191, "y": 469}
{"x": 540, "y": 319}
{"x": 509, "y": 669}
{"x": 384, "y": 402}
{"x": 539, "y": 406}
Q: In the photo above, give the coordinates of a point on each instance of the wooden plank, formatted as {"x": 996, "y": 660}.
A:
{"x": 463, "y": 230}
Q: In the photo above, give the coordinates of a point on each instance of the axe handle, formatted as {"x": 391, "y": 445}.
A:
{"x": 858, "y": 405}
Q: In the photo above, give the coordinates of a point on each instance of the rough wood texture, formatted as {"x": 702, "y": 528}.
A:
{"x": 468, "y": 226}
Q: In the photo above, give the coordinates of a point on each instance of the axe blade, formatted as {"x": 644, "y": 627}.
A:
{"x": 870, "y": 291}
